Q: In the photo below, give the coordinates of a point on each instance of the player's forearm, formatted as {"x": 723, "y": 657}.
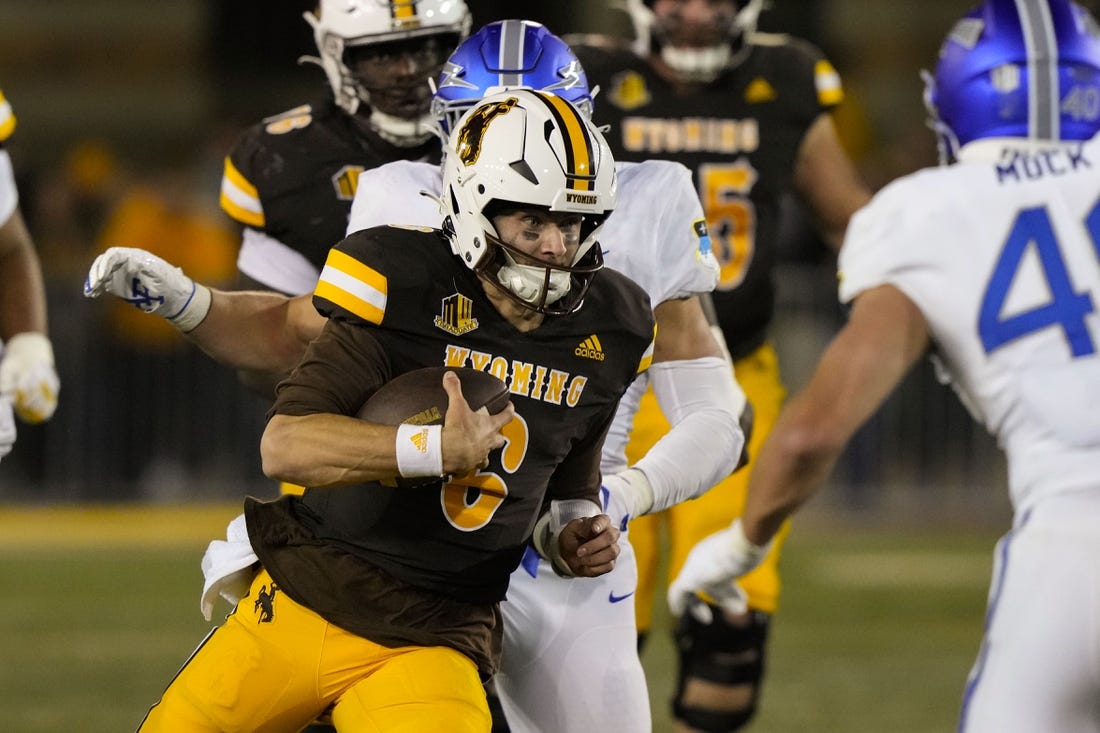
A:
{"x": 703, "y": 403}
{"x": 250, "y": 330}
{"x": 884, "y": 336}
{"x": 793, "y": 465}
{"x": 324, "y": 450}
{"x": 22, "y": 294}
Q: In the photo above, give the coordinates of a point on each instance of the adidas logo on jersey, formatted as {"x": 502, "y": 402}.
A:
{"x": 590, "y": 348}
{"x": 628, "y": 91}
{"x": 759, "y": 90}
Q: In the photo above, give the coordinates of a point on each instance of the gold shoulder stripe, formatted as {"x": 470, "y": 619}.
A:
{"x": 7, "y": 119}
{"x": 239, "y": 198}
{"x": 578, "y": 144}
{"x": 353, "y": 286}
{"x": 829, "y": 89}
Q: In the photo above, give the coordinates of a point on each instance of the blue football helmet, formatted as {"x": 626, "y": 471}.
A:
{"x": 503, "y": 55}
{"x": 1016, "y": 68}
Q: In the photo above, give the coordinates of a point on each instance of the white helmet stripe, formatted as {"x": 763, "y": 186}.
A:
{"x": 512, "y": 34}
{"x": 1042, "y": 69}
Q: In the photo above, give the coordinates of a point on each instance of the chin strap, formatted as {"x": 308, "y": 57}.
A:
{"x": 402, "y": 132}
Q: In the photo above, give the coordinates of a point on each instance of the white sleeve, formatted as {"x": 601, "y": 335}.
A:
{"x": 891, "y": 241}
{"x": 657, "y": 235}
{"x": 9, "y": 194}
{"x": 278, "y": 266}
{"x": 703, "y": 404}
{"x": 391, "y": 194}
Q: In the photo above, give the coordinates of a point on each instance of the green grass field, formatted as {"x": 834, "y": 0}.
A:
{"x": 100, "y": 607}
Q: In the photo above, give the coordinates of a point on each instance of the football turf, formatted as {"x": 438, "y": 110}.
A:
{"x": 100, "y": 607}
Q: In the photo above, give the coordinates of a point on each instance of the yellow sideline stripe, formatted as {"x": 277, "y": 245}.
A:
{"x": 94, "y": 526}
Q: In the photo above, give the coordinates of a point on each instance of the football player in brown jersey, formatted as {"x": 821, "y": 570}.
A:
{"x": 28, "y": 379}
{"x": 290, "y": 179}
{"x": 381, "y": 602}
{"x": 749, "y": 114}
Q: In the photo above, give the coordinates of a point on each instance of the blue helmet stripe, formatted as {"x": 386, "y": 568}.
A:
{"x": 512, "y": 35}
{"x": 1042, "y": 69}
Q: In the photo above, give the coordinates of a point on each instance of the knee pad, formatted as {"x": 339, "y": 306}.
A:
{"x": 720, "y": 653}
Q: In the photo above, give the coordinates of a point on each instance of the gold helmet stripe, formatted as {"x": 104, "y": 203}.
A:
{"x": 580, "y": 166}
{"x": 403, "y": 9}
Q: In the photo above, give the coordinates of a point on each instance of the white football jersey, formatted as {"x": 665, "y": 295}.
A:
{"x": 656, "y": 236}
{"x": 1001, "y": 253}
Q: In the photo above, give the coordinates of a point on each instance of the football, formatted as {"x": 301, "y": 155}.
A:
{"x": 418, "y": 397}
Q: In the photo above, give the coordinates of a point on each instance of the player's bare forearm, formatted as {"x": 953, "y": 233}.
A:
{"x": 884, "y": 337}
{"x": 325, "y": 449}
{"x": 828, "y": 182}
{"x": 257, "y": 331}
{"x": 22, "y": 294}
{"x": 683, "y": 332}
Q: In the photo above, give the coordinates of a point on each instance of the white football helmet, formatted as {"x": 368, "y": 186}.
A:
{"x": 527, "y": 148}
{"x": 340, "y": 25}
{"x": 701, "y": 63}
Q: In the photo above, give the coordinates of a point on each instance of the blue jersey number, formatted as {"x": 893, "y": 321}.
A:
{"x": 1066, "y": 308}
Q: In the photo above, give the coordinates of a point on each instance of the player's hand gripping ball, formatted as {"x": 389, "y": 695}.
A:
{"x": 418, "y": 398}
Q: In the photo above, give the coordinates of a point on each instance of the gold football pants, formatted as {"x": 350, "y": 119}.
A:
{"x": 275, "y": 666}
{"x": 689, "y": 522}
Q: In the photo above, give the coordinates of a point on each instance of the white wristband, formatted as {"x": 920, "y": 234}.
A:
{"x": 419, "y": 450}
{"x": 194, "y": 310}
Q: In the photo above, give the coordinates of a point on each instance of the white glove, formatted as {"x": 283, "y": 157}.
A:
{"x": 7, "y": 428}
{"x": 711, "y": 567}
{"x": 28, "y": 380}
{"x": 149, "y": 283}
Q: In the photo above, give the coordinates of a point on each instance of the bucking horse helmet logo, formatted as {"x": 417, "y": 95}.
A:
{"x": 471, "y": 134}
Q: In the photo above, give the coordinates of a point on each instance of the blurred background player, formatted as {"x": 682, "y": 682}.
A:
{"x": 992, "y": 267}
{"x": 28, "y": 379}
{"x": 290, "y": 179}
{"x": 749, "y": 114}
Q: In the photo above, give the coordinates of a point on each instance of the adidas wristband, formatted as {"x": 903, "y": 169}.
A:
{"x": 419, "y": 450}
